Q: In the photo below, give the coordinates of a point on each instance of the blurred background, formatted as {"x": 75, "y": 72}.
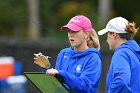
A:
{"x": 33, "y": 26}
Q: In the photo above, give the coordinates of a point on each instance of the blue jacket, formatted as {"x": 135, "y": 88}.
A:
{"x": 81, "y": 70}
{"x": 124, "y": 72}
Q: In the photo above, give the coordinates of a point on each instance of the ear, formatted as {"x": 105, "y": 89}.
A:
{"x": 114, "y": 35}
{"x": 87, "y": 34}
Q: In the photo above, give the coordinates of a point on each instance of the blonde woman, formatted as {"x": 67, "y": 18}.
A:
{"x": 80, "y": 64}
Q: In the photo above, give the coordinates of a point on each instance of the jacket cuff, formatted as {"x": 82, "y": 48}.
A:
{"x": 62, "y": 73}
{"x": 45, "y": 69}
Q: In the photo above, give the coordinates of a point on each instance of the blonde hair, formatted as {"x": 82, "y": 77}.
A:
{"x": 93, "y": 40}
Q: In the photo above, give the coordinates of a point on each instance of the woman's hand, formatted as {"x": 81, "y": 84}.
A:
{"x": 41, "y": 60}
{"x": 51, "y": 72}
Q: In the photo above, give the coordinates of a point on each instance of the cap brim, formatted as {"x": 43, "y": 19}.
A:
{"x": 71, "y": 27}
{"x": 101, "y": 32}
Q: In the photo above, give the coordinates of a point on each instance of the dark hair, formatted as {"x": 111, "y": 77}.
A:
{"x": 131, "y": 29}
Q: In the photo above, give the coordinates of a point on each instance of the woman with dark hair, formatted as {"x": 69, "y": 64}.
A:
{"x": 124, "y": 72}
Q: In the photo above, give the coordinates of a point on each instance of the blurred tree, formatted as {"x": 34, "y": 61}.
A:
{"x": 34, "y": 22}
{"x": 13, "y": 17}
{"x": 104, "y": 10}
{"x": 55, "y": 13}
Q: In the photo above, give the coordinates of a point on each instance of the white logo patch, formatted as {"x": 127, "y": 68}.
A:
{"x": 78, "y": 69}
{"x": 66, "y": 57}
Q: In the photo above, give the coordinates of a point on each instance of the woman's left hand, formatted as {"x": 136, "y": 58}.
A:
{"x": 51, "y": 72}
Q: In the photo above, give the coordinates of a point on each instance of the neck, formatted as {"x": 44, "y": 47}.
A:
{"x": 80, "y": 48}
{"x": 120, "y": 41}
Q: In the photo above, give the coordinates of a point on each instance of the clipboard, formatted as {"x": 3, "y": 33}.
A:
{"x": 46, "y": 84}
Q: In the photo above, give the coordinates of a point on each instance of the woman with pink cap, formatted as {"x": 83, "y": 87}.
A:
{"x": 80, "y": 64}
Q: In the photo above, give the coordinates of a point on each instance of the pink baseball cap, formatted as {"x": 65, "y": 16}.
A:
{"x": 78, "y": 23}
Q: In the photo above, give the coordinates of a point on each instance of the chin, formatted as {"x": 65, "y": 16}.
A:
{"x": 73, "y": 45}
{"x": 110, "y": 48}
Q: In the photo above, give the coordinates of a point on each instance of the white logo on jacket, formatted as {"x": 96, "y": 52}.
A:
{"x": 66, "y": 57}
{"x": 78, "y": 69}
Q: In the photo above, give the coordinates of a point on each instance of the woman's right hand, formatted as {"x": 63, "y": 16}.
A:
{"x": 41, "y": 60}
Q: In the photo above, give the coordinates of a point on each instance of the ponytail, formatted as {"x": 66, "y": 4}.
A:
{"x": 93, "y": 40}
{"x": 131, "y": 31}
{"x": 131, "y": 28}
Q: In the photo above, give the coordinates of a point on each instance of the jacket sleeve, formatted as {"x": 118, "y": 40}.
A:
{"x": 121, "y": 75}
{"x": 88, "y": 79}
{"x": 45, "y": 69}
